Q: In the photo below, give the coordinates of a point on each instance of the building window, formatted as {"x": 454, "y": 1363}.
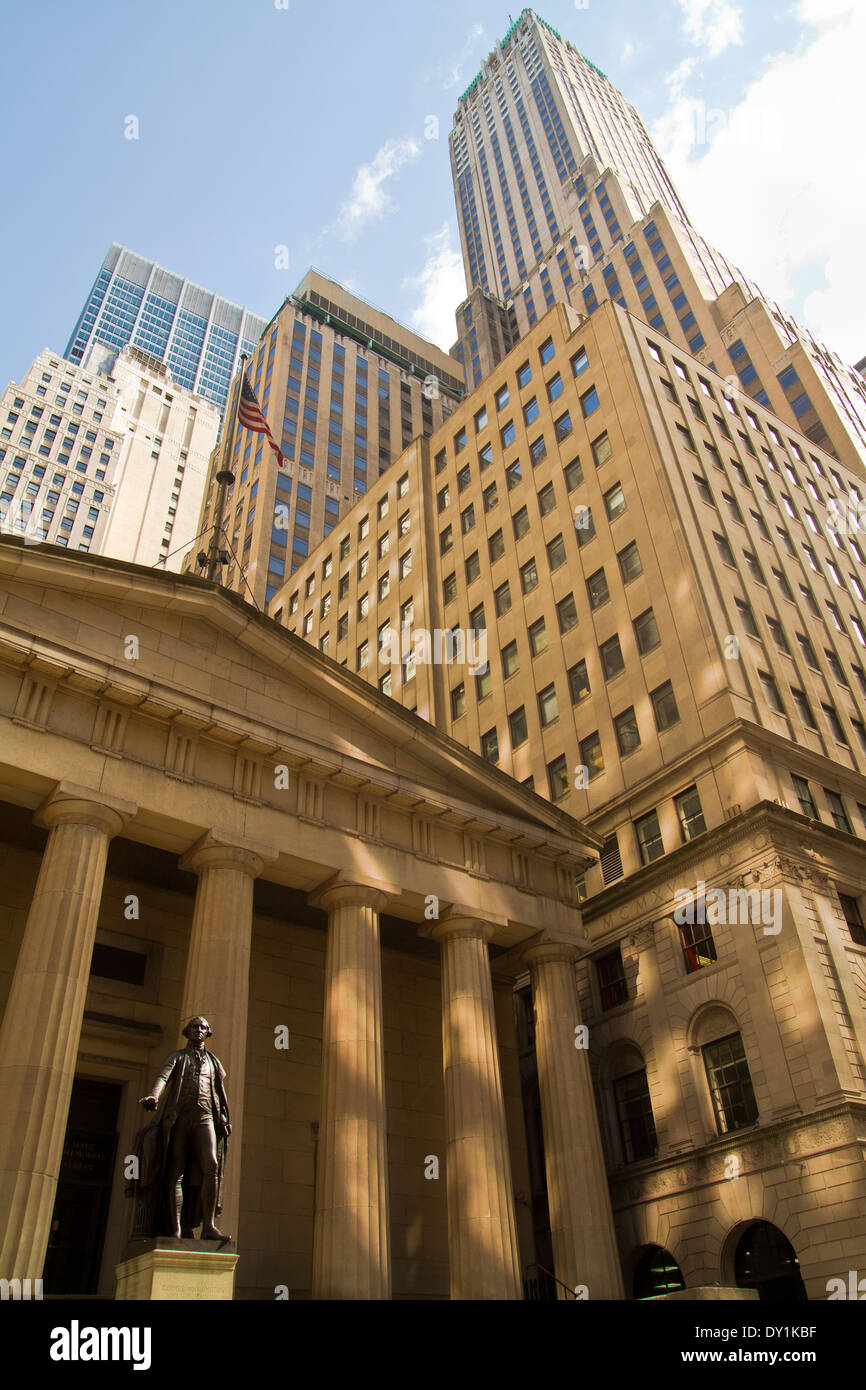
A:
{"x": 578, "y": 682}
{"x": 502, "y": 599}
{"x": 597, "y": 589}
{"x": 853, "y": 918}
{"x": 804, "y": 796}
{"x": 664, "y": 706}
{"x": 490, "y": 746}
{"x": 627, "y": 735}
{"x": 730, "y": 1083}
{"x": 548, "y": 709}
{"x": 611, "y": 979}
{"x": 510, "y": 660}
{"x": 635, "y": 1114}
{"x": 696, "y": 939}
{"x": 591, "y": 755}
{"x": 649, "y": 837}
{"x": 601, "y": 449}
{"x": 838, "y": 814}
{"x": 517, "y": 727}
{"x": 458, "y": 701}
{"x": 557, "y": 778}
{"x": 611, "y": 657}
{"x": 538, "y": 637}
{"x": 629, "y": 562}
{"x": 689, "y": 814}
{"x": 566, "y": 613}
{"x": 528, "y": 576}
{"x": 646, "y": 631}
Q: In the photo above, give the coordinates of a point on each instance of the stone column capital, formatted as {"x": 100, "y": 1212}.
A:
{"x": 220, "y": 850}
{"x": 70, "y": 804}
{"x": 345, "y": 891}
{"x": 462, "y": 923}
{"x": 543, "y": 952}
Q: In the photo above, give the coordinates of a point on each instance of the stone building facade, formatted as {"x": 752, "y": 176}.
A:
{"x": 201, "y": 814}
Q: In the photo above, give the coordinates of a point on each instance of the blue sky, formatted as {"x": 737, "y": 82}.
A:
{"x": 306, "y": 125}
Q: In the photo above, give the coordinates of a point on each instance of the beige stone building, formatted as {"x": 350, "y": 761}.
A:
{"x": 667, "y": 584}
{"x": 201, "y": 814}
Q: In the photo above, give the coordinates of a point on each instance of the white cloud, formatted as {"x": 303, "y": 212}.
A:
{"x": 454, "y": 68}
{"x": 442, "y": 287}
{"x": 775, "y": 181}
{"x": 627, "y": 51}
{"x": 369, "y": 199}
{"x": 712, "y": 24}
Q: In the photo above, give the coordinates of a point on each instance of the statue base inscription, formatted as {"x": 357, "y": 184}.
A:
{"x": 163, "y": 1268}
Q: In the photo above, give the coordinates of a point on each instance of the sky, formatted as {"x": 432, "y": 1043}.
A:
{"x": 239, "y": 142}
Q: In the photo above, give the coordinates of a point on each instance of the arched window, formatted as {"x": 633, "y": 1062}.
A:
{"x": 716, "y": 1033}
{"x": 657, "y": 1272}
{"x": 634, "y": 1112}
{"x": 766, "y": 1260}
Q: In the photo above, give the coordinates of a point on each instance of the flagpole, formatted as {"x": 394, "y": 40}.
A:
{"x": 225, "y": 479}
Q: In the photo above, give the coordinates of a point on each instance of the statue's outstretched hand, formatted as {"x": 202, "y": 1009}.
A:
{"x": 148, "y": 1102}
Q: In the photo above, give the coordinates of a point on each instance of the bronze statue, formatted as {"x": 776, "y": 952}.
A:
{"x": 181, "y": 1153}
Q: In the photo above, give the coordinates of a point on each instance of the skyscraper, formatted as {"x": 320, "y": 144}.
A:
{"x": 346, "y": 388}
{"x": 199, "y": 335}
{"x": 113, "y": 461}
{"x": 561, "y": 195}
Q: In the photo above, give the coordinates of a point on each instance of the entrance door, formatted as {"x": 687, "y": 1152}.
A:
{"x": 766, "y": 1260}
{"x": 84, "y": 1189}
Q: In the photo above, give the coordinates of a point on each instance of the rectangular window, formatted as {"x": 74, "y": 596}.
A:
{"x": 649, "y": 837}
{"x": 646, "y": 631}
{"x": 548, "y": 709}
{"x": 517, "y": 727}
{"x": 528, "y": 576}
{"x": 601, "y": 449}
{"x": 566, "y": 613}
{"x": 557, "y": 778}
{"x": 556, "y": 552}
{"x": 730, "y": 1083}
{"x": 502, "y": 599}
{"x": 510, "y": 660}
{"x": 597, "y": 589}
{"x": 611, "y": 979}
{"x": 578, "y": 682}
{"x": 853, "y": 918}
{"x": 664, "y": 706}
{"x": 538, "y": 637}
{"x": 838, "y": 814}
{"x": 690, "y": 814}
{"x": 591, "y": 755}
{"x": 520, "y": 523}
{"x": 696, "y": 940}
{"x": 611, "y": 657}
{"x": 635, "y": 1115}
{"x": 629, "y": 562}
{"x": 458, "y": 701}
{"x": 627, "y": 734}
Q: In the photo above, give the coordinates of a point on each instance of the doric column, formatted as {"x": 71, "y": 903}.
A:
{"x": 351, "y": 1251}
{"x": 482, "y": 1233}
{"x": 217, "y": 980}
{"x": 584, "y": 1242}
{"x": 42, "y": 1022}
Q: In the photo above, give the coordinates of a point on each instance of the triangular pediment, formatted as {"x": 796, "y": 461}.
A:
{"x": 178, "y": 648}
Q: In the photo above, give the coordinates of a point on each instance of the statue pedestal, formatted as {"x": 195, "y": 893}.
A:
{"x": 164, "y": 1268}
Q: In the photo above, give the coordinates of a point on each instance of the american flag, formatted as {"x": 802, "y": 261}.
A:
{"x": 250, "y": 417}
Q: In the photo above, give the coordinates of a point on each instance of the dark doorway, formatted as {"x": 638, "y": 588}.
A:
{"x": 83, "y": 1190}
{"x": 765, "y": 1260}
